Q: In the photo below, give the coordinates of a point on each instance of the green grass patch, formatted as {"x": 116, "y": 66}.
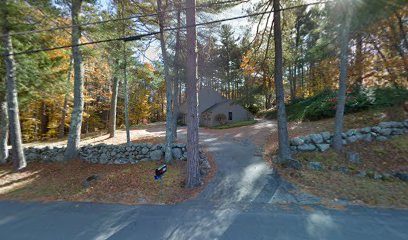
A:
{"x": 234, "y": 125}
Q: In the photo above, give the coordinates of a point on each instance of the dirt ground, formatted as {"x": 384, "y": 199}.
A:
{"x": 151, "y": 132}
{"x": 329, "y": 183}
{"x": 386, "y": 157}
{"x": 126, "y": 184}
{"x": 356, "y": 120}
{"x": 134, "y": 184}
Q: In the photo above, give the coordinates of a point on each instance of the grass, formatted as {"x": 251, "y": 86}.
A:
{"x": 235, "y": 125}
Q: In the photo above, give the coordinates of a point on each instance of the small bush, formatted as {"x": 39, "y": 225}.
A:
{"x": 221, "y": 118}
{"x": 254, "y": 109}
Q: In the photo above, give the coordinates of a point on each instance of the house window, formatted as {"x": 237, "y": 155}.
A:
{"x": 230, "y": 116}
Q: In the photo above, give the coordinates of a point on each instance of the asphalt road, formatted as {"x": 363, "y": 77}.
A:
{"x": 246, "y": 200}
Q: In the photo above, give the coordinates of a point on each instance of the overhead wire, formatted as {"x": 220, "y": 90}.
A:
{"x": 140, "y": 36}
{"x": 122, "y": 19}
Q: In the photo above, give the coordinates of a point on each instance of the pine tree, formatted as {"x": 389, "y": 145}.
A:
{"x": 12, "y": 98}
{"x": 344, "y": 31}
{"x": 193, "y": 174}
{"x": 74, "y": 137}
{"x": 61, "y": 133}
{"x": 284, "y": 150}
{"x": 169, "y": 86}
{"x": 3, "y": 128}
{"x": 113, "y": 107}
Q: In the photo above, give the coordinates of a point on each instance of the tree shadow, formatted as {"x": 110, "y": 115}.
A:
{"x": 33, "y": 176}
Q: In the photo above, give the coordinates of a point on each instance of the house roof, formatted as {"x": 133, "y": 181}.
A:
{"x": 207, "y": 97}
{"x": 216, "y": 105}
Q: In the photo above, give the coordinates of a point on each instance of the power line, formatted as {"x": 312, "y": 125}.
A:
{"x": 138, "y": 37}
{"x": 123, "y": 19}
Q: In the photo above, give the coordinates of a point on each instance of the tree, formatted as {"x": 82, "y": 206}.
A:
{"x": 341, "y": 96}
{"x": 3, "y": 127}
{"x": 126, "y": 94}
{"x": 12, "y": 98}
{"x": 113, "y": 107}
{"x": 284, "y": 150}
{"x": 125, "y": 77}
{"x": 177, "y": 70}
{"x": 74, "y": 135}
{"x": 169, "y": 86}
{"x": 65, "y": 104}
{"x": 193, "y": 174}
{"x": 3, "y": 117}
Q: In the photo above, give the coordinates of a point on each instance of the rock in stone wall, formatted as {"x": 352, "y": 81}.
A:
{"x": 322, "y": 141}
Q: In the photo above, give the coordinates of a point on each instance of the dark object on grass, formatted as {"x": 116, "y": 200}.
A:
{"x": 361, "y": 173}
{"x": 316, "y": 166}
{"x": 89, "y": 180}
{"x": 353, "y": 157}
{"x": 160, "y": 171}
{"x": 343, "y": 169}
{"x": 402, "y": 176}
{"x": 292, "y": 163}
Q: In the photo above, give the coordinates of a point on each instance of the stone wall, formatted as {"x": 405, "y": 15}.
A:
{"x": 108, "y": 154}
{"x": 322, "y": 141}
{"x": 115, "y": 154}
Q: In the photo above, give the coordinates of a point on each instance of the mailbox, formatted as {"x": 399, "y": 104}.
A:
{"x": 160, "y": 171}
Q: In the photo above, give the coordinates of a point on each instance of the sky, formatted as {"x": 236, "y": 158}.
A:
{"x": 153, "y": 52}
{"x": 239, "y": 25}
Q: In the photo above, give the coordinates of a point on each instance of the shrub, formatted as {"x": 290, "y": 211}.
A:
{"x": 221, "y": 118}
{"x": 323, "y": 105}
{"x": 384, "y": 97}
{"x": 254, "y": 109}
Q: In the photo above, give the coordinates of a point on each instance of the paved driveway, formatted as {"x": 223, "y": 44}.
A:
{"x": 246, "y": 200}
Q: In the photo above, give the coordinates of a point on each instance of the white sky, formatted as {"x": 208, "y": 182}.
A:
{"x": 239, "y": 25}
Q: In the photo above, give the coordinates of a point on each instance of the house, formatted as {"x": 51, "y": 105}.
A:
{"x": 214, "y": 109}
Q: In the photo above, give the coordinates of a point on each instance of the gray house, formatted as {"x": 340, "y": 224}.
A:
{"x": 211, "y": 105}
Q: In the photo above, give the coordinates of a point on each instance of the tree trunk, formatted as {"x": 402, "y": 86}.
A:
{"x": 177, "y": 70}
{"x": 12, "y": 99}
{"x": 125, "y": 79}
{"x": 169, "y": 87}
{"x": 284, "y": 150}
{"x": 291, "y": 82}
{"x": 113, "y": 108}
{"x": 74, "y": 136}
{"x": 393, "y": 76}
{"x": 341, "y": 96}
{"x": 295, "y": 80}
{"x": 270, "y": 95}
{"x": 43, "y": 120}
{"x": 65, "y": 106}
{"x": 3, "y": 130}
{"x": 193, "y": 174}
{"x": 403, "y": 34}
{"x": 359, "y": 59}
{"x": 126, "y": 93}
